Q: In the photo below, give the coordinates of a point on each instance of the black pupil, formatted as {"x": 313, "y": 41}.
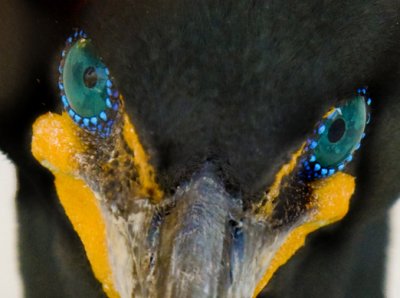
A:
{"x": 336, "y": 131}
{"x": 90, "y": 77}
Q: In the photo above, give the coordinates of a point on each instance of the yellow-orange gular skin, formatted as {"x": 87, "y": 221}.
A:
{"x": 55, "y": 144}
{"x": 329, "y": 203}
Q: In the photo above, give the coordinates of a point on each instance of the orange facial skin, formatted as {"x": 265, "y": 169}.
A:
{"x": 329, "y": 203}
{"x": 55, "y": 144}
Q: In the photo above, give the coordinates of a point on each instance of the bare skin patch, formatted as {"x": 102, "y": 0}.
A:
{"x": 329, "y": 203}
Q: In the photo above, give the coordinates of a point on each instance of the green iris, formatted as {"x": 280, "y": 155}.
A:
{"x": 341, "y": 133}
{"x": 85, "y": 79}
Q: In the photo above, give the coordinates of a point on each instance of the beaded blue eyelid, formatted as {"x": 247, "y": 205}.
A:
{"x": 336, "y": 137}
{"x": 86, "y": 88}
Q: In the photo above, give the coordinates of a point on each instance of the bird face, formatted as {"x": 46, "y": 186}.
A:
{"x": 197, "y": 162}
{"x": 200, "y": 239}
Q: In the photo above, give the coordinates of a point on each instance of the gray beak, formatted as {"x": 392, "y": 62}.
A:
{"x": 198, "y": 243}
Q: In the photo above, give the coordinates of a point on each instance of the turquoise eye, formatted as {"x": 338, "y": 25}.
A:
{"x": 337, "y": 136}
{"x": 86, "y": 88}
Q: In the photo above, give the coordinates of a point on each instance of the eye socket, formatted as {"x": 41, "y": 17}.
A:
{"x": 336, "y": 137}
{"x": 87, "y": 92}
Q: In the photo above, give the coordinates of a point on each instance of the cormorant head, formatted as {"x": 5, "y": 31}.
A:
{"x": 200, "y": 143}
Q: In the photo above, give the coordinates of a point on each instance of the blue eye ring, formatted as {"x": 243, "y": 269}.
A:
{"x": 311, "y": 167}
{"x": 100, "y": 123}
